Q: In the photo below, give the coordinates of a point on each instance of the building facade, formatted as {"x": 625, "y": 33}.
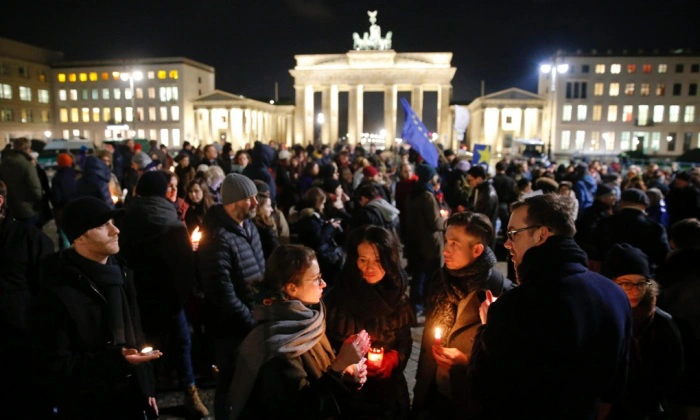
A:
{"x": 150, "y": 98}
{"x": 602, "y": 104}
{"x": 25, "y": 91}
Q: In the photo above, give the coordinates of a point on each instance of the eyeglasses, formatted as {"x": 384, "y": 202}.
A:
{"x": 628, "y": 285}
{"x": 511, "y": 233}
{"x": 318, "y": 280}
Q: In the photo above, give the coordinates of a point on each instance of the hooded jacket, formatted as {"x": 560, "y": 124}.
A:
{"x": 24, "y": 191}
{"x": 261, "y": 158}
{"x": 94, "y": 181}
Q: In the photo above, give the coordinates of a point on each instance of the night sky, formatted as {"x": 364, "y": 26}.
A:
{"x": 252, "y": 43}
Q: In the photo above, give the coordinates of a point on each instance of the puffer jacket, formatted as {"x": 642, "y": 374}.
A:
{"x": 230, "y": 258}
{"x": 24, "y": 192}
{"x": 95, "y": 181}
{"x": 259, "y": 168}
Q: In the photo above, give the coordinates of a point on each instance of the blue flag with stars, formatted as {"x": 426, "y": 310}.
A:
{"x": 415, "y": 134}
{"x": 482, "y": 155}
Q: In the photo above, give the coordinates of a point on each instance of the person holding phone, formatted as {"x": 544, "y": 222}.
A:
{"x": 86, "y": 328}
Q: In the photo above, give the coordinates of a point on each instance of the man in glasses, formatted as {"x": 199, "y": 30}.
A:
{"x": 557, "y": 345}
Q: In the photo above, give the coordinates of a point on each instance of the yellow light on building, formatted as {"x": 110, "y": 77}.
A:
{"x": 162, "y": 74}
{"x": 61, "y": 77}
{"x": 83, "y": 77}
{"x": 173, "y": 74}
{"x": 105, "y": 76}
{"x": 72, "y": 77}
{"x": 115, "y": 75}
{"x": 93, "y": 77}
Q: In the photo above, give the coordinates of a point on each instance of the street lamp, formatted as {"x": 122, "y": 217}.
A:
{"x": 552, "y": 69}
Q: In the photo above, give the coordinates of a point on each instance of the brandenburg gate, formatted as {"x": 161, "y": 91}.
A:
{"x": 372, "y": 66}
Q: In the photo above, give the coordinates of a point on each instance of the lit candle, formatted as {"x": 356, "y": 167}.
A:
{"x": 196, "y": 237}
{"x": 147, "y": 350}
{"x": 115, "y": 198}
{"x": 438, "y": 335}
{"x": 444, "y": 213}
{"x": 375, "y": 357}
{"x": 172, "y": 169}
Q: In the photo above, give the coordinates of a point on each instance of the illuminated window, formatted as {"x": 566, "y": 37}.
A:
{"x": 25, "y": 93}
{"x": 164, "y": 113}
{"x": 671, "y": 142}
{"x": 598, "y": 89}
{"x": 565, "y": 140}
{"x": 163, "y": 136}
{"x": 93, "y": 76}
{"x": 627, "y": 113}
{"x": 169, "y": 93}
{"x": 105, "y": 94}
{"x": 658, "y": 115}
{"x": 63, "y": 114}
{"x": 85, "y": 94}
{"x": 95, "y": 114}
{"x": 646, "y": 68}
{"x": 162, "y": 74}
{"x": 597, "y": 112}
{"x": 566, "y": 112}
{"x": 173, "y": 74}
{"x": 7, "y": 114}
{"x": 600, "y": 68}
{"x": 83, "y": 77}
{"x": 644, "y": 89}
{"x": 74, "y": 115}
{"x": 86, "y": 115}
{"x": 72, "y": 77}
{"x": 580, "y": 139}
{"x": 42, "y": 76}
{"x": 5, "y": 91}
{"x": 139, "y": 93}
{"x": 656, "y": 141}
{"x": 631, "y": 68}
{"x": 660, "y": 89}
{"x": 609, "y": 139}
{"x": 581, "y": 112}
{"x": 127, "y": 93}
{"x": 674, "y": 113}
{"x": 129, "y": 114}
{"x": 614, "y": 89}
{"x": 139, "y": 115}
{"x": 625, "y": 138}
{"x": 95, "y": 94}
{"x": 595, "y": 140}
{"x": 152, "y": 113}
{"x": 642, "y": 115}
{"x": 42, "y": 96}
{"x": 663, "y": 68}
{"x": 27, "y": 115}
{"x": 689, "y": 116}
{"x": 629, "y": 89}
{"x": 175, "y": 113}
{"x": 615, "y": 68}
{"x": 62, "y": 95}
{"x": 151, "y": 93}
{"x": 612, "y": 113}
{"x": 117, "y": 115}
{"x": 105, "y": 76}
{"x": 73, "y": 94}
{"x": 117, "y": 93}
{"x": 61, "y": 77}
{"x": 115, "y": 75}
{"x": 106, "y": 114}
{"x": 153, "y": 134}
{"x": 45, "y": 116}
{"x": 176, "y": 137}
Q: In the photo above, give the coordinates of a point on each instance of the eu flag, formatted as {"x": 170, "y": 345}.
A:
{"x": 482, "y": 155}
{"x": 415, "y": 134}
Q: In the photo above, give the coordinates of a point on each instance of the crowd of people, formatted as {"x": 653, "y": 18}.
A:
{"x": 170, "y": 262}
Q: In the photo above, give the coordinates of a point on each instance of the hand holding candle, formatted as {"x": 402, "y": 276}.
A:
{"x": 444, "y": 213}
{"x": 196, "y": 237}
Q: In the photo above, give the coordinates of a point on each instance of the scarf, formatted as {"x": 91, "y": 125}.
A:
{"x": 287, "y": 329}
{"x": 109, "y": 280}
{"x": 455, "y": 285}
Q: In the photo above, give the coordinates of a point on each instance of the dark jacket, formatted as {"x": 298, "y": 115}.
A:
{"x": 554, "y": 346}
{"x": 683, "y": 203}
{"x": 633, "y": 227}
{"x": 484, "y": 200}
{"x": 679, "y": 277}
{"x": 268, "y": 238}
{"x": 318, "y": 234}
{"x": 424, "y": 240}
{"x": 94, "y": 182}
{"x": 384, "y": 312}
{"x": 259, "y": 168}
{"x": 230, "y": 258}
{"x": 586, "y": 229}
{"x": 24, "y": 191}
{"x": 63, "y": 186}
{"x": 461, "y": 336}
{"x": 79, "y": 364}
{"x": 505, "y": 188}
{"x": 157, "y": 248}
{"x": 194, "y": 216}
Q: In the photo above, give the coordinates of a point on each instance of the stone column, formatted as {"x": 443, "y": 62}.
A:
{"x": 229, "y": 131}
{"x": 390, "y": 94}
{"x": 299, "y": 109}
{"x": 308, "y": 115}
{"x": 326, "y": 109}
{"x": 196, "y": 123}
{"x": 332, "y": 119}
{"x": 355, "y": 113}
{"x": 417, "y": 101}
{"x": 213, "y": 134}
{"x": 443, "y": 112}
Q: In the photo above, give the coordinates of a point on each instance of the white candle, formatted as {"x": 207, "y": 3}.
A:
{"x": 147, "y": 350}
{"x": 438, "y": 335}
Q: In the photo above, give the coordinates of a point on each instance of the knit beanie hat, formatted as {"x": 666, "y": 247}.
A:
{"x": 83, "y": 214}
{"x": 425, "y": 173}
{"x": 634, "y": 196}
{"x": 369, "y": 171}
{"x": 152, "y": 184}
{"x": 141, "y": 159}
{"x": 64, "y": 160}
{"x": 237, "y": 187}
{"x": 263, "y": 188}
{"x": 603, "y": 190}
{"x": 625, "y": 259}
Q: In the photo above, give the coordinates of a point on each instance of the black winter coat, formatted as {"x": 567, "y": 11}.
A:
{"x": 259, "y": 167}
{"x": 586, "y": 229}
{"x": 230, "y": 258}
{"x": 484, "y": 200}
{"x": 82, "y": 369}
{"x": 384, "y": 311}
{"x": 94, "y": 181}
{"x": 63, "y": 187}
{"x": 316, "y": 233}
{"x": 157, "y": 248}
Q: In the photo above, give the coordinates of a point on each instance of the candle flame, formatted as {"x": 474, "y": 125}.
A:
{"x": 147, "y": 350}
{"x": 196, "y": 235}
{"x": 438, "y": 332}
{"x": 115, "y": 198}
{"x": 172, "y": 169}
